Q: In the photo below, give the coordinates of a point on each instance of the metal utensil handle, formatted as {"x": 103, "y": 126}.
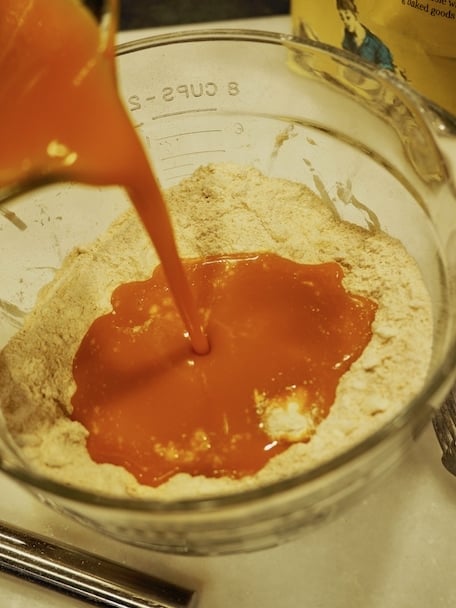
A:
{"x": 84, "y": 575}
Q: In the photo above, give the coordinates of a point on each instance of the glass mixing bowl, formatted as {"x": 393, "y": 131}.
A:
{"x": 293, "y": 109}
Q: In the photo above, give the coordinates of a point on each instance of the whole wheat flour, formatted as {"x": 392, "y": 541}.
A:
{"x": 220, "y": 209}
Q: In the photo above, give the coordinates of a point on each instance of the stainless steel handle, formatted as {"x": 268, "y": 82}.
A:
{"x": 84, "y": 575}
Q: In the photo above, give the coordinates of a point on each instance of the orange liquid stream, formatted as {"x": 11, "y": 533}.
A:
{"x": 62, "y": 118}
{"x": 150, "y": 400}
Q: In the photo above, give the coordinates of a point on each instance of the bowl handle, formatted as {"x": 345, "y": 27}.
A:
{"x": 443, "y": 126}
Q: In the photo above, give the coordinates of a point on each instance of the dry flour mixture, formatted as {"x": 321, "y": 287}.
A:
{"x": 220, "y": 209}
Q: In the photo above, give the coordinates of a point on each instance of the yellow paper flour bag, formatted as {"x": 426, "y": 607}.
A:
{"x": 414, "y": 39}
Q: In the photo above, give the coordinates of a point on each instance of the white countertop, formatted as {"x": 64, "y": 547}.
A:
{"x": 395, "y": 549}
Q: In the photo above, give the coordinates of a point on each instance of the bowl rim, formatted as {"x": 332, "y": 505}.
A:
{"x": 435, "y": 387}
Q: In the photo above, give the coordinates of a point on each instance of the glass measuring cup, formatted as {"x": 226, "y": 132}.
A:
{"x": 296, "y": 110}
{"x": 51, "y": 60}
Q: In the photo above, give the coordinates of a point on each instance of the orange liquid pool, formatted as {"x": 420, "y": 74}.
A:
{"x": 277, "y": 329}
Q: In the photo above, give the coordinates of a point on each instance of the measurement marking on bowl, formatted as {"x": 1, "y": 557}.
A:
{"x": 181, "y": 175}
{"x": 174, "y": 167}
{"x": 176, "y": 135}
{"x": 11, "y": 310}
{"x": 168, "y": 114}
{"x": 220, "y": 151}
{"x": 13, "y": 218}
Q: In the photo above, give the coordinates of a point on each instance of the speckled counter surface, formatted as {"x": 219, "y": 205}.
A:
{"x": 395, "y": 549}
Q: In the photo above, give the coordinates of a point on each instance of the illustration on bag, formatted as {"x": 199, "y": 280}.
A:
{"x": 356, "y": 37}
{"x": 411, "y": 39}
{"x": 360, "y": 40}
